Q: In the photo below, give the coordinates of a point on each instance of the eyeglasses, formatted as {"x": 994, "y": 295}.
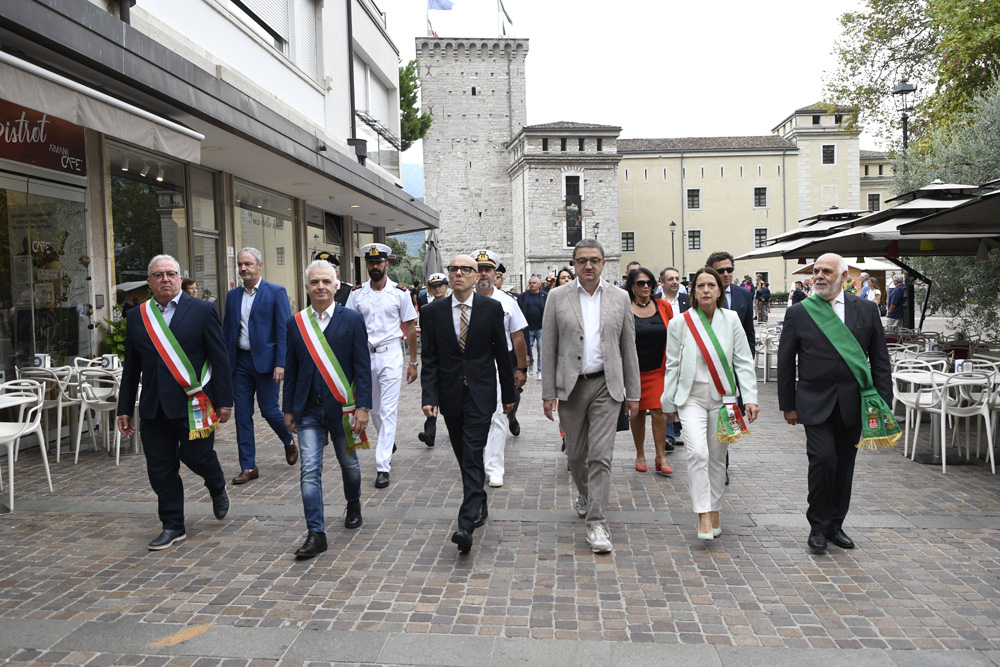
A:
{"x": 584, "y": 261}
{"x": 643, "y": 283}
{"x": 464, "y": 270}
{"x": 160, "y": 274}
{"x": 726, "y": 269}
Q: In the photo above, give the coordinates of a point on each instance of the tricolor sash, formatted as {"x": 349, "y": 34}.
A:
{"x": 331, "y": 372}
{"x": 730, "y": 425}
{"x": 878, "y": 425}
{"x": 202, "y": 420}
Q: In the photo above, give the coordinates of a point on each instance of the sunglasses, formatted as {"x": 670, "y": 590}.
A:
{"x": 643, "y": 283}
{"x": 726, "y": 269}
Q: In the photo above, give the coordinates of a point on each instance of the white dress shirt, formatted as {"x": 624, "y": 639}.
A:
{"x": 323, "y": 318}
{"x": 243, "y": 342}
{"x": 838, "y": 304}
{"x": 168, "y": 310}
{"x": 456, "y": 312}
{"x": 590, "y": 308}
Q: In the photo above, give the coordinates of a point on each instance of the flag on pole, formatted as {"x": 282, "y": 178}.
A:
{"x": 430, "y": 30}
{"x": 443, "y": 5}
{"x": 503, "y": 10}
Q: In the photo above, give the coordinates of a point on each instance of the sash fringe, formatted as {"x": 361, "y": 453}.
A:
{"x": 886, "y": 442}
{"x": 199, "y": 433}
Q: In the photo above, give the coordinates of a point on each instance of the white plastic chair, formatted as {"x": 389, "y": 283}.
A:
{"x": 98, "y": 392}
{"x": 950, "y": 399}
{"x": 30, "y": 421}
{"x": 59, "y": 393}
{"x": 910, "y": 394}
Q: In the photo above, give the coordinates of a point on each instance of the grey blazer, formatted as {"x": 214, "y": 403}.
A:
{"x": 562, "y": 343}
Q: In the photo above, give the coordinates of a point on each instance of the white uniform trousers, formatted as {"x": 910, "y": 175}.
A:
{"x": 706, "y": 456}
{"x": 387, "y": 380}
{"x": 496, "y": 441}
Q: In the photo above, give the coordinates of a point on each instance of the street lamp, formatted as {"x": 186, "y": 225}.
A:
{"x": 673, "y": 226}
{"x": 902, "y": 98}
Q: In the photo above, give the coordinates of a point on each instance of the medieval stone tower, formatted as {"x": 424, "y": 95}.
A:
{"x": 475, "y": 90}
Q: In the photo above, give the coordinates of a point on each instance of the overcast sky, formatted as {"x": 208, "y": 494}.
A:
{"x": 656, "y": 68}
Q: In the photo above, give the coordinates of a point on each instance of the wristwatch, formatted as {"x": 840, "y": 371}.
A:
{"x": 365, "y": 409}
{"x": 414, "y": 363}
{"x": 523, "y": 370}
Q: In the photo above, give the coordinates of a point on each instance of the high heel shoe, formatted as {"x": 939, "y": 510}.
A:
{"x": 716, "y": 532}
{"x": 641, "y": 468}
{"x": 710, "y": 535}
{"x": 664, "y": 470}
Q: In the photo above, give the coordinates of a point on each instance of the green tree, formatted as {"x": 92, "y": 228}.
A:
{"x": 965, "y": 151}
{"x": 413, "y": 124}
{"x": 398, "y": 247}
{"x": 948, "y": 48}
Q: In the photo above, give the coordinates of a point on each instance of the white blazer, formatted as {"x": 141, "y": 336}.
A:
{"x": 683, "y": 352}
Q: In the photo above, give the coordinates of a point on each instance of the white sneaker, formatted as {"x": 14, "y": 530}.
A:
{"x": 582, "y": 506}
{"x": 539, "y": 376}
{"x": 496, "y": 480}
{"x": 599, "y": 540}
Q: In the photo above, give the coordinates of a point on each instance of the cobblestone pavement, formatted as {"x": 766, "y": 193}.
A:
{"x": 77, "y": 585}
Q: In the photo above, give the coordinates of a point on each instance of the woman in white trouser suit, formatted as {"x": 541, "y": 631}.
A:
{"x": 690, "y": 392}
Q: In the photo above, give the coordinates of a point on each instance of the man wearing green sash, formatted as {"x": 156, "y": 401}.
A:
{"x": 836, "y": 342}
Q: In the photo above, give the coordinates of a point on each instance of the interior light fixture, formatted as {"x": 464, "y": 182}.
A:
{"x": 125, "y": 164}
{"x": 159, "y": 175}
{"x": 145, "y": 170}
{"x": 355, "y": 205}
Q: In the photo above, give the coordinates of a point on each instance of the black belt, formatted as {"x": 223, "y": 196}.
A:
{"x": 591, "y": 376}
{"x": 242, "y": 351}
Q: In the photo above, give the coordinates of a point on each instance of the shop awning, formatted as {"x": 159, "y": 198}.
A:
{"x": 37, "y": 88}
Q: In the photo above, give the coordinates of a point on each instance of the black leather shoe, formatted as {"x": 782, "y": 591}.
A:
{"x": 515, "y": 426}
{"x": 167, "y": 538}
{"x": 381, "y": 480}
{"x": 727, "y": 478}
{"x": 394, "y": 448}
{"x": 220, "y": 505}
{"x": 840, "y": 538}
{"x": 426, "y": 438}
{"x": 668, "y": 446}
{"x": 463, "y": 539}
{"x": 817, "y": 541}
{"x": 291, "y": 453}
{"x": 314, "y": 545}
{"x": 481, "y": 516}
{"x": 353, "y": 518}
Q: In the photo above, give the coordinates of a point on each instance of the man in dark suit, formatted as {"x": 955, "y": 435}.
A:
{"x": 312, "y": 410}
{"x": 464, "y": 349}
{"x": 739, "y": 300}
{"x": 176, "y": 427}
{"x": 254, "y": 331}
{"x": 826, "y": 398}
{"x": 670, "y": 286}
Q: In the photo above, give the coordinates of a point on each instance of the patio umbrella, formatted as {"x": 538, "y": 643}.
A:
{"x": 432, "y": 256}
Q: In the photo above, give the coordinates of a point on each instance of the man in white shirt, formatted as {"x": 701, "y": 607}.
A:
{"x": 388, "y": 311}
{"x": 590, "y": 368}
{"x": 514, "y": 325}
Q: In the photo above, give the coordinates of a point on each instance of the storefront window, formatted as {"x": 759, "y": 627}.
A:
{"x": 44, "y": 289}
{"x": 265, "y": 222}
{"x": 148, "y": 217}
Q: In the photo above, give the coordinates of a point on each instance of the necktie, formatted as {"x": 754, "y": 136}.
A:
{"x": 463, "y": 328}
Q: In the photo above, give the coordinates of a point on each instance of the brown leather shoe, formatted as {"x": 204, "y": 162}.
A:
{"x": 245, "y": 476}
{"x": 291, "y": 453}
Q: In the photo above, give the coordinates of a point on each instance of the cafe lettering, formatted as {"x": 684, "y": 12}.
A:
{"x": 34, "y": 137}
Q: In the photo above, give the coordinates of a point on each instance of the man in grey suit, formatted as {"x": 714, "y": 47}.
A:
{"x": 590, "y": 367}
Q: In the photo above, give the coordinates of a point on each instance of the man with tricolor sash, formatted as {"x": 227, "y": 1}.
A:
{"x": 328, "y": 390}
{"x": 173, "y": 343}
{"x": 840, "y": 394}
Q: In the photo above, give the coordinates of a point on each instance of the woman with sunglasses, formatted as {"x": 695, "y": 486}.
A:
{"x": 652, "y": 316}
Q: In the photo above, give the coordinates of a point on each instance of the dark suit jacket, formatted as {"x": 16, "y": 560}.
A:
{"x": 683, "y": 302}
{"x": 824, "y": 379}
{"x": 446, "y": 369}
{"x": 195, "y": 325}
{"x": 268, "y": 316}
{"x": 742, "y": 303}
{"x": 348, "y": 338}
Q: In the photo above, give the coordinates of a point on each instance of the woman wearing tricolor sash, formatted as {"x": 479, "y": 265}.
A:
{"x": 707, "y": 351}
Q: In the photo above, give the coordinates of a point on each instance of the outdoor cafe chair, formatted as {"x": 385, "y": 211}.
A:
{"x": 59, "y": 393}
{"x": 28, "y": 395}
{"x": 911, "y": 394}
{"x": 99, "y": 393}
{"x": 84, "y": 362}
{"x": 951, "y": 397}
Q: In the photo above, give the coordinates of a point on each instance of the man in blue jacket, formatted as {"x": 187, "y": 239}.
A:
{"x": 327, "y": 353}
{"x": 254, "y": 331}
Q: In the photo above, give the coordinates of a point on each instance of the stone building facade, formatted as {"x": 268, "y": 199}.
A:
{"x": 475, "y": 91}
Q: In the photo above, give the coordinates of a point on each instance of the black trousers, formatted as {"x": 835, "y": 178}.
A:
{"x": 517, "y": 392}
{"x": 165, "y": 443}
{"x": 468, "y": 432}
{"x": 831, "y": 447}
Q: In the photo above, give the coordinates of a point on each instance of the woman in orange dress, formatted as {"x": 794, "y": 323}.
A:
{"x": 652, "y": 316}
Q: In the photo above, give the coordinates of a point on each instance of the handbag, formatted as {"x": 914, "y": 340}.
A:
{"x": 882, "y": 310}
{"x": 622, "y": 419}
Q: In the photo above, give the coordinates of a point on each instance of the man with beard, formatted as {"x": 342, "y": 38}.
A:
{"x": 513, "y": 327}
{"x": 388, "y": 309}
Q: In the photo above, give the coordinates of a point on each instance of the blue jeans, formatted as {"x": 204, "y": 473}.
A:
{"x": 246, "y": 382}
{"x": 311, "y": 430}
{"x": 673, "y": 431}
{"x": 535, "y": 339}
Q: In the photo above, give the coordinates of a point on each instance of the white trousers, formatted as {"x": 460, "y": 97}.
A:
{"x": 387, "y": 380}
{"x": 706, "y": 456}
{"x": 497, "y": 440}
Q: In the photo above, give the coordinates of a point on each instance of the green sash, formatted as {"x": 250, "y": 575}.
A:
{"x": 878, "y": 425}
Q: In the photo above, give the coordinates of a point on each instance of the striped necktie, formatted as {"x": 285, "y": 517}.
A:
{"x": 464, "y": 326}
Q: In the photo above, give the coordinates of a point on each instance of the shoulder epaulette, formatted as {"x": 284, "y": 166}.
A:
{"x": 358, "y": 286}
{"x": 401, "y": 288}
